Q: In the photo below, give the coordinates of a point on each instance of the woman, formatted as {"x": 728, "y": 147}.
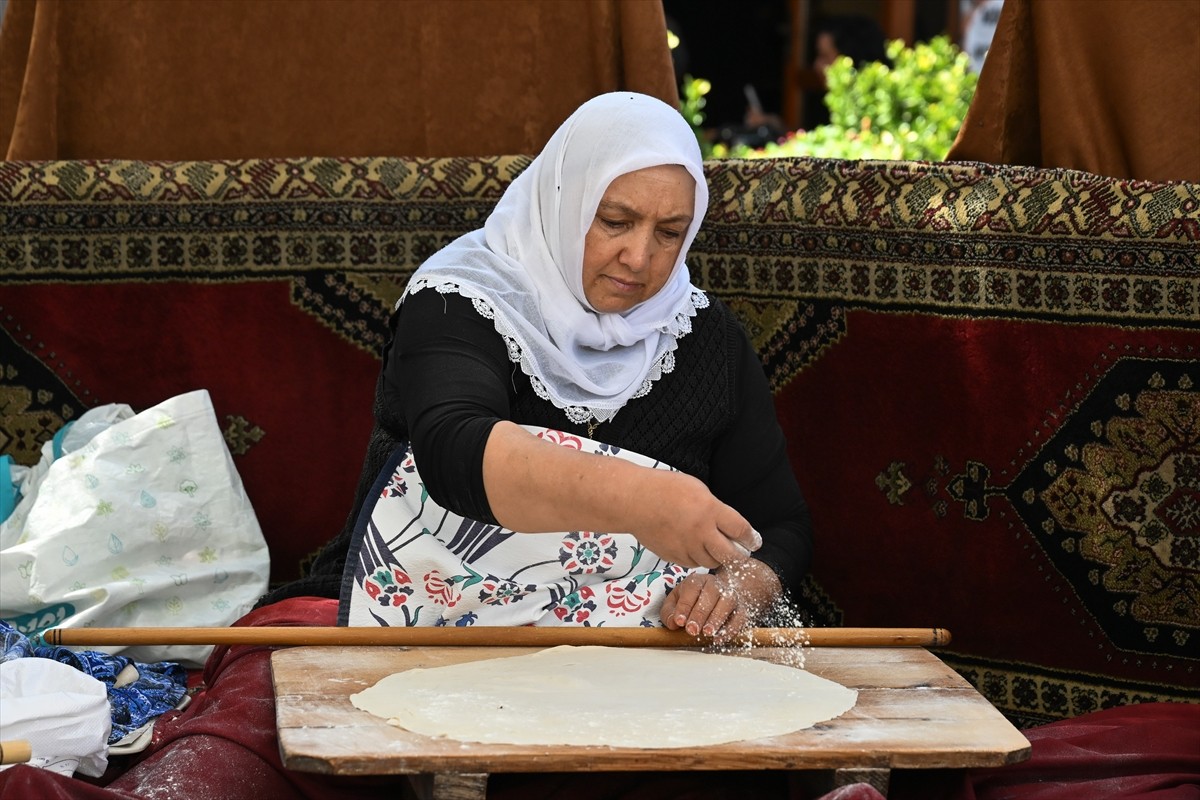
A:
{"x": 570, "y": 314}
{"x": 525, "y": 356}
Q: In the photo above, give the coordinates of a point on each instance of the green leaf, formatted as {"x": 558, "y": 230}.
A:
{"x": 637, "y": 555}
{"x": 474, "y": 579}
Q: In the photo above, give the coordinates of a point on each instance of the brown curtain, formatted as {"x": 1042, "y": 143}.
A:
{"x": 224, "y": 79}
{"x": 1107, "y": 86}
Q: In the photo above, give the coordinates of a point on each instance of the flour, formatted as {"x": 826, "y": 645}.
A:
{"x": 781, "y": 616}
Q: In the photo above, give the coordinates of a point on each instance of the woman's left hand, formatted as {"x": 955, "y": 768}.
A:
{"x": 720, "y": 604}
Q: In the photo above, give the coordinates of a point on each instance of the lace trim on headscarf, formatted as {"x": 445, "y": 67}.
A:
{"x": 676, "y": 329}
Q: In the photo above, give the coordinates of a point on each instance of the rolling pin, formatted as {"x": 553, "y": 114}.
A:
{"x": 492, "y": 636}
{"x": 15, "y": 751}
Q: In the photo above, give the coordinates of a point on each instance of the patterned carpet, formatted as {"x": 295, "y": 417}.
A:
{"x": 988, "y": 375}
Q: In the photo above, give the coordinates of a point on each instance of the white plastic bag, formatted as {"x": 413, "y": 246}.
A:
{"x": 72, "y": 436}
{"x": 63, "y": 714}
{"x": 147, "y": 524}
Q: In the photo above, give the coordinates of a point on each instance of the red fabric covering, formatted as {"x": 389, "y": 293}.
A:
{"x": 223, "y": 746}
{"x": 1137, "y": 752}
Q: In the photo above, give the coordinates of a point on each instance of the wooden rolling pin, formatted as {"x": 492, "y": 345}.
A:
{"x": 490, "y": 636}
{"x": 15, "y": 751}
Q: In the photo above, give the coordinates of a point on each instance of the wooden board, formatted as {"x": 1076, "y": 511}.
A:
{"x": 912, "y": 711}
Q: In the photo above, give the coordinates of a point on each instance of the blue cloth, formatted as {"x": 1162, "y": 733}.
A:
{"x": 159, "y": 687}
{"x": 9, "y": 496}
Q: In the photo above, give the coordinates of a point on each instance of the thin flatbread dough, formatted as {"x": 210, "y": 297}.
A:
{"x": 643, "y": 698}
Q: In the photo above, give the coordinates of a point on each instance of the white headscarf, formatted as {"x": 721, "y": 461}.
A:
{"x": 524, "y": 268}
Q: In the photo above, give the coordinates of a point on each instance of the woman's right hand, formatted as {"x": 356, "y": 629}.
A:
{"x": 680, "y": 520}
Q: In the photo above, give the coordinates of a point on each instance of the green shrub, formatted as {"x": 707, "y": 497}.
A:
{"x": 911, "y": 110}
{"x": 691, "y": 105}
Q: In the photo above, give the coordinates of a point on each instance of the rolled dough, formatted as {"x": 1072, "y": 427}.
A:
{"x": 620, "y": 697}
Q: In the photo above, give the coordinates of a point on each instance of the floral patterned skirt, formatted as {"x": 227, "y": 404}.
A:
{"x": 412, "y": 562}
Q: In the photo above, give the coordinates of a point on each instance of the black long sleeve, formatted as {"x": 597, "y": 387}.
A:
{"x": 448, "y": 372}
{"x": 752, "y": 473}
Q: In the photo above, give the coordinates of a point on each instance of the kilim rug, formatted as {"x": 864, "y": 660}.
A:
{"x": 988, "y": 375}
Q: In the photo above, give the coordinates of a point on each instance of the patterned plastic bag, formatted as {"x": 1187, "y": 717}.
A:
{"x": 146, "y": 525}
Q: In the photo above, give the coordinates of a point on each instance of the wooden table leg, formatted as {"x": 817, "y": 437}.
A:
{"x": 824, "y": 781}
{"x": 877, "y": 778}
{"x": 449, "y": 785}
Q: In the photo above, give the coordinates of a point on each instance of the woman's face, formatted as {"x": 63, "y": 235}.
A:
{"x": 634, "y": 240}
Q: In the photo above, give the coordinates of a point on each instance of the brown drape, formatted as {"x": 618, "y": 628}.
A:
{"x": 1106, "y": 86}
{"x": 213, "y": 79}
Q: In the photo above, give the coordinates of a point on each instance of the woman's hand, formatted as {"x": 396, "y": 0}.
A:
{"x": 679, "y": 519}
{"x": 722, "y": 603}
